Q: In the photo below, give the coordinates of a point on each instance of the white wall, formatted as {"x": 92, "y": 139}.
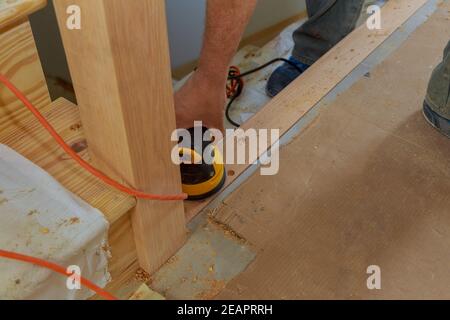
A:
{"x": 186, "y": 21}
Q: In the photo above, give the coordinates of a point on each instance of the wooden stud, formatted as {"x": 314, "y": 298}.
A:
{"x": 119, "y": 62}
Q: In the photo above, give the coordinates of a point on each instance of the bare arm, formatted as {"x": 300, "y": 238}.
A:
{"x": 203, "y": 97}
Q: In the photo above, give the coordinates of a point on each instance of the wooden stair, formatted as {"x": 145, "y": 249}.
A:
{"x": 23, "y": 133}
{"x": 19, "y": 61}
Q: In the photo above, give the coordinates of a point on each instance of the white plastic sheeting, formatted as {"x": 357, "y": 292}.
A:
{"x": 38, "y": 217}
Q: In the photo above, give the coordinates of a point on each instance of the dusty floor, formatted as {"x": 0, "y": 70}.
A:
{"x": 365, "y": 183}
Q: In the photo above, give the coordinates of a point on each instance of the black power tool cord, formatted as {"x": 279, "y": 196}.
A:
{"x": 237, "y": 83}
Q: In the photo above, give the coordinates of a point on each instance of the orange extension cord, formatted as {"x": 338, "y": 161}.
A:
{"x": 56, "y": 268}
{"x": 95, "y": 172}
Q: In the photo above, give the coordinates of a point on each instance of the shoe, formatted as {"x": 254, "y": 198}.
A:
{"x": 284, "y": 75}
{"x": 438, "y": 122}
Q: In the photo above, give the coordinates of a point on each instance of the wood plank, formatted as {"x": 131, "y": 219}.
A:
{"x": 123, "y": 249}
{"x": 145, "y": 293}
{"x": 19, "y": 62}
{"x": 304, "y": 93}
{"x": 13, "y": 11}
{"x": 120, "y": 65}
{"x": 365, "y": 184}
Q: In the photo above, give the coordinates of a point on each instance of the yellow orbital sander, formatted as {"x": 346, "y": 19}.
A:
{"x": 201, "y": 179}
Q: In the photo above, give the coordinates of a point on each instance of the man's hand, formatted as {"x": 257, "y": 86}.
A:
{"x": 201, "y": 99}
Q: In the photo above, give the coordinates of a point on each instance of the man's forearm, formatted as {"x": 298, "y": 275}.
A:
{"x": 203, "y": 96}
{"x": 225, "y": 25}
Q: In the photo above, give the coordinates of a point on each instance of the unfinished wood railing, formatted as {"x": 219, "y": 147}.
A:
{"x": 119, "y": 63}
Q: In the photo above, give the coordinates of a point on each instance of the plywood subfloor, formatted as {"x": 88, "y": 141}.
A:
{"x": 366, "y": 184}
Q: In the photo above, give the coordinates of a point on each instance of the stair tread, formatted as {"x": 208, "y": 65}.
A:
{"x": 15, "y": 10}
{"x": 25, "y": 135}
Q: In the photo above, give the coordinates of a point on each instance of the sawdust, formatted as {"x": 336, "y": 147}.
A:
{"x": 44, "y": 230}
{"x": 216, "y": 286}
{"x": 228, "y": 231}
{"x": 142, "y": 276}
{"x": 76, "y": 127}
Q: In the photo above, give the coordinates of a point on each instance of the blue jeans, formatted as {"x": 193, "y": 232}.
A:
{"x": 329, "y": 22}
{"x": 438, "y": 95}
{"x": 332, "y": 20}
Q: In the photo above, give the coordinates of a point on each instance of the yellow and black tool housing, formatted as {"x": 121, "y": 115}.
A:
{"x": 201, "y": 180}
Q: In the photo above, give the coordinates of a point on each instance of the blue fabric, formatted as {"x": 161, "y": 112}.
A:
{"x": 329, "y": 22}
{"x": 283, "y": 76}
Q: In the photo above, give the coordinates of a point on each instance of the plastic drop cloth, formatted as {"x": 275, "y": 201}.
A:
{"x": 38, "y": 217}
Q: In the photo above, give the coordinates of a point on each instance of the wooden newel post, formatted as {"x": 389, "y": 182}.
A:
{"x": 119, "y": 62}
